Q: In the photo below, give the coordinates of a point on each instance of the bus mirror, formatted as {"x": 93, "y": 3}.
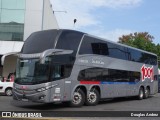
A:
{"x": 50, "y": 52}
{"x": 8, "y": 54}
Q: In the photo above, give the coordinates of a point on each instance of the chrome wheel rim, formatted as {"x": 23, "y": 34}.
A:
{"x": 77, "y": 98}
{"x": 147, "y": 92}
{"x": 9, "y": 92}
{"x": 92, "y": 97}
{"x": 141, "y": 93}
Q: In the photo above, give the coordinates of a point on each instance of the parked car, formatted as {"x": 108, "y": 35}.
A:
{"x": 6, "y": 85}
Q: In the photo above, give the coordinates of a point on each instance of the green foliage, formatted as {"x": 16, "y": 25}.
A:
{"x": 142, "y": 40}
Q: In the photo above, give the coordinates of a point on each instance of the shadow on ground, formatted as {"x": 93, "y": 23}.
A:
{"x": 58, "y": 106}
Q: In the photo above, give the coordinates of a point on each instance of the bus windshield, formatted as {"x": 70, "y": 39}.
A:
{"x": 32, "y": 71}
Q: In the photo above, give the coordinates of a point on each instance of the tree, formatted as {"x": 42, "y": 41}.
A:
{"x": 141, "y": 40}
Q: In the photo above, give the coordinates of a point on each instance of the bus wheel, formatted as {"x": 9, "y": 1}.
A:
{"x": 92, "y": 98}
{"x": 147, "y": 92}
{"x": 141, "y": 93}
{"x": 78, "y": 98}
{"x": 8, "y": 91}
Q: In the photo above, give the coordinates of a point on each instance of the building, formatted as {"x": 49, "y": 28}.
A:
{"x": 18, "y": 19}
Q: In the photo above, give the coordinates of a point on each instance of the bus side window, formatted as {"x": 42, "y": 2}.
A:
{"x": 56, "y": 72}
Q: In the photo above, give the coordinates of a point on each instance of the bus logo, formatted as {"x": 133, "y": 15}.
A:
{"x": 147, "y": 72}
{"x": 97, "y": 61}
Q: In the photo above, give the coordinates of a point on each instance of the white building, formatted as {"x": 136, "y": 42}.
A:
{"x": 18, "y": 19}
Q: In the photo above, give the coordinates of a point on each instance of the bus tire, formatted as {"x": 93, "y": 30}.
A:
{"x": 8, "y": 91}
{"x": 78, "y": 98}
{"x": 141, "y": 93}
{"x": 92, "y": 98}
{"x": 146, "y": 93}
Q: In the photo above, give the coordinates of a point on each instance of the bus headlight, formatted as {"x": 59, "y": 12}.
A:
{"x": 41, "y": 89}
{"x": 45, "y": 88}
{"x": 42, "y": 97}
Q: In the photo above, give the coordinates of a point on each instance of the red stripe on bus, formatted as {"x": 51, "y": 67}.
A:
{"x": 89, "y": 82}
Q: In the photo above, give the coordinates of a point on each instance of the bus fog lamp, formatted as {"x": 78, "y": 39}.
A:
{"x": 42, "y": 97}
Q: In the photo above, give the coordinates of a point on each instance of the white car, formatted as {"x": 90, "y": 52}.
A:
{"x": 6, "y": 87}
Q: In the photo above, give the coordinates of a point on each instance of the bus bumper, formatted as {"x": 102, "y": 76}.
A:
{"x": 41, "y": 97}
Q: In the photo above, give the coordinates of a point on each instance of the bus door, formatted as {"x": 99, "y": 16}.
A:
{"x": 57, "y": 79}
{"x": 67, "y": 89}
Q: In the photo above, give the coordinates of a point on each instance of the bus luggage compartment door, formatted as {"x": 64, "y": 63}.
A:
{"x": 57, "y": 91}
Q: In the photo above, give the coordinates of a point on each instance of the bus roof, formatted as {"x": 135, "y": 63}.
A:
{"x": 59, "y": 31}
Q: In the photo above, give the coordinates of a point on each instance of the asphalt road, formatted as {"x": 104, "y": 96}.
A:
{"x": 118, "y": 104}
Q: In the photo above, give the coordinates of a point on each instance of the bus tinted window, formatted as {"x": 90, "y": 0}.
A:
{"x": 108, "y": 75}
{"x": 43, "y": 40}
{"x": 69, "y": 40}
{"x": 61, "y": 66}
{"x": 86, "y": 47}
{"x": 142, "y": 57}
{"x": 116, "y": 51}
{"x": 100, "y": 48}
{"x": 60, "y": 71}
{"x": 91, "y": 45}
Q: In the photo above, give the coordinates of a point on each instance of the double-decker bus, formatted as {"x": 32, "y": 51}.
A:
{"x": 66, "y": 65}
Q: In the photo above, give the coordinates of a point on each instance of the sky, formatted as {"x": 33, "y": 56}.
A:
{"x": 109, "y": 19}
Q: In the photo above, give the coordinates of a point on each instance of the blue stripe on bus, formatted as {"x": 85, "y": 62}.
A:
{"x": 132, "y": 83}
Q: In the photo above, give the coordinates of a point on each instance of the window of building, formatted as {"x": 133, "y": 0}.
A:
{"x": 12, "y": 20}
